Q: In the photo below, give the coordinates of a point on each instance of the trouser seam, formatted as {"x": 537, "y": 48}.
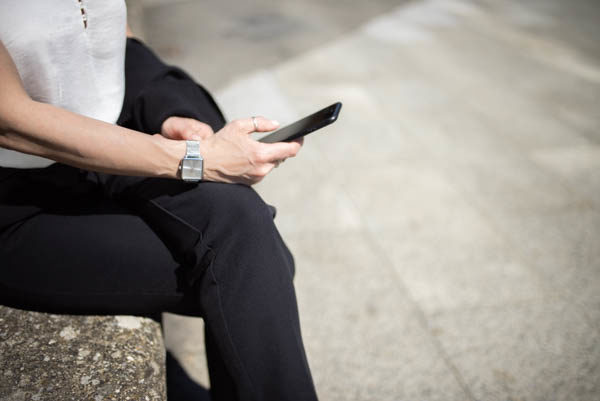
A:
{"x": 176, "y": 217}
{"x": 196, "y": 269}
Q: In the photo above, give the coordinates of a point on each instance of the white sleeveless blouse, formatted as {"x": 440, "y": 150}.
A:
{"x": 63, "y": 62}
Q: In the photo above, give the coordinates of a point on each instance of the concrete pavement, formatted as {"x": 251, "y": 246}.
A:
{"x": 447, "y": 228}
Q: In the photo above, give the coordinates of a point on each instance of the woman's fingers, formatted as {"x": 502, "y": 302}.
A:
{"x": 199, "y": 129}
{"x": 272, "y": 152}
{"x": 232, "y": 156}
{"x": 262, "y": 124}
{"x": 181, "y": 128}
{"x": 255, "y": 124}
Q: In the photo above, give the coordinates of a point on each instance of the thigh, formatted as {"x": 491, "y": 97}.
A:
{"x": 100, "y": 258}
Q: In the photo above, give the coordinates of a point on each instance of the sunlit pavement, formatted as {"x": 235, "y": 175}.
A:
{"x": 447, "y": 228}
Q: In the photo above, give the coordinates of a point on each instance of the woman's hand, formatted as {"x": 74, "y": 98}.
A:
{"x": 232, "y": 156}
{"x": 183, "y": 128}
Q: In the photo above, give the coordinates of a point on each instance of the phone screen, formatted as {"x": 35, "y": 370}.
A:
{"x": 306, "y": 125}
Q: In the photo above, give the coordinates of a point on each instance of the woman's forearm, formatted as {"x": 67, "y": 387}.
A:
{"x": 54, "y": 133}
{"x": 41, "y": 129}
{"x": 44, "y": 130}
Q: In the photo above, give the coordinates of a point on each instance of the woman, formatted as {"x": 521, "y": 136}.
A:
{"x": 95, "y": 217}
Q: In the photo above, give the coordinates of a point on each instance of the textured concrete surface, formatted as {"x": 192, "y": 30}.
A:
{"x": 447, "y": 228}
{"x": 46, "y": 357}
{"x": 243, "y": 36}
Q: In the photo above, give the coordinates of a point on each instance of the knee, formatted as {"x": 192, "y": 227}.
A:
{"x": 241, "y": 209}
{"x": 244, "y": 231}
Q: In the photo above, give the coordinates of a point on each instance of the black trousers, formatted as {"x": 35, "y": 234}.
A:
{"x": 74, "y": 241}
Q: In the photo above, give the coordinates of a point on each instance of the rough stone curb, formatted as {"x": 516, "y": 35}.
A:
{"x": 64, "y": 357}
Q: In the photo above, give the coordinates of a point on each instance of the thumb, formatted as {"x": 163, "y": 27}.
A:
{"x": 185, "y": 128}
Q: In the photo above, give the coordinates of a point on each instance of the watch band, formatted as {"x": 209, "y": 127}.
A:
{"x": 192, "y": 164}
{"x": 192, "y": 149}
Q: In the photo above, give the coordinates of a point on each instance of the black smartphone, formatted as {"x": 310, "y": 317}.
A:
{"x": 305, "y": 126}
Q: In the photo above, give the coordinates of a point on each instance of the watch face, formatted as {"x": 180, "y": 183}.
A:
{"x": 191, "y": 169}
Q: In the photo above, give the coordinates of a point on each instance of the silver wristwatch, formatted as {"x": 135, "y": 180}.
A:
{"x": 192, "y": 164}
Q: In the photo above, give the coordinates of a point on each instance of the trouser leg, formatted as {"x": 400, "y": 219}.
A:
{"x": 224, "y": 234}
{"x": 222, "y": 385}
{"x": 242, "y": 273}
{"x": 209, "y": 247}
{"x": 77, "y": 252}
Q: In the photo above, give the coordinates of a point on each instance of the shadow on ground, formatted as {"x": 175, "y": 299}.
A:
{"x": 180, "y": 386}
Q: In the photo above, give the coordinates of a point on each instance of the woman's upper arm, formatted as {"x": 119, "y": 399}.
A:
{"x": 12, "y": 93}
